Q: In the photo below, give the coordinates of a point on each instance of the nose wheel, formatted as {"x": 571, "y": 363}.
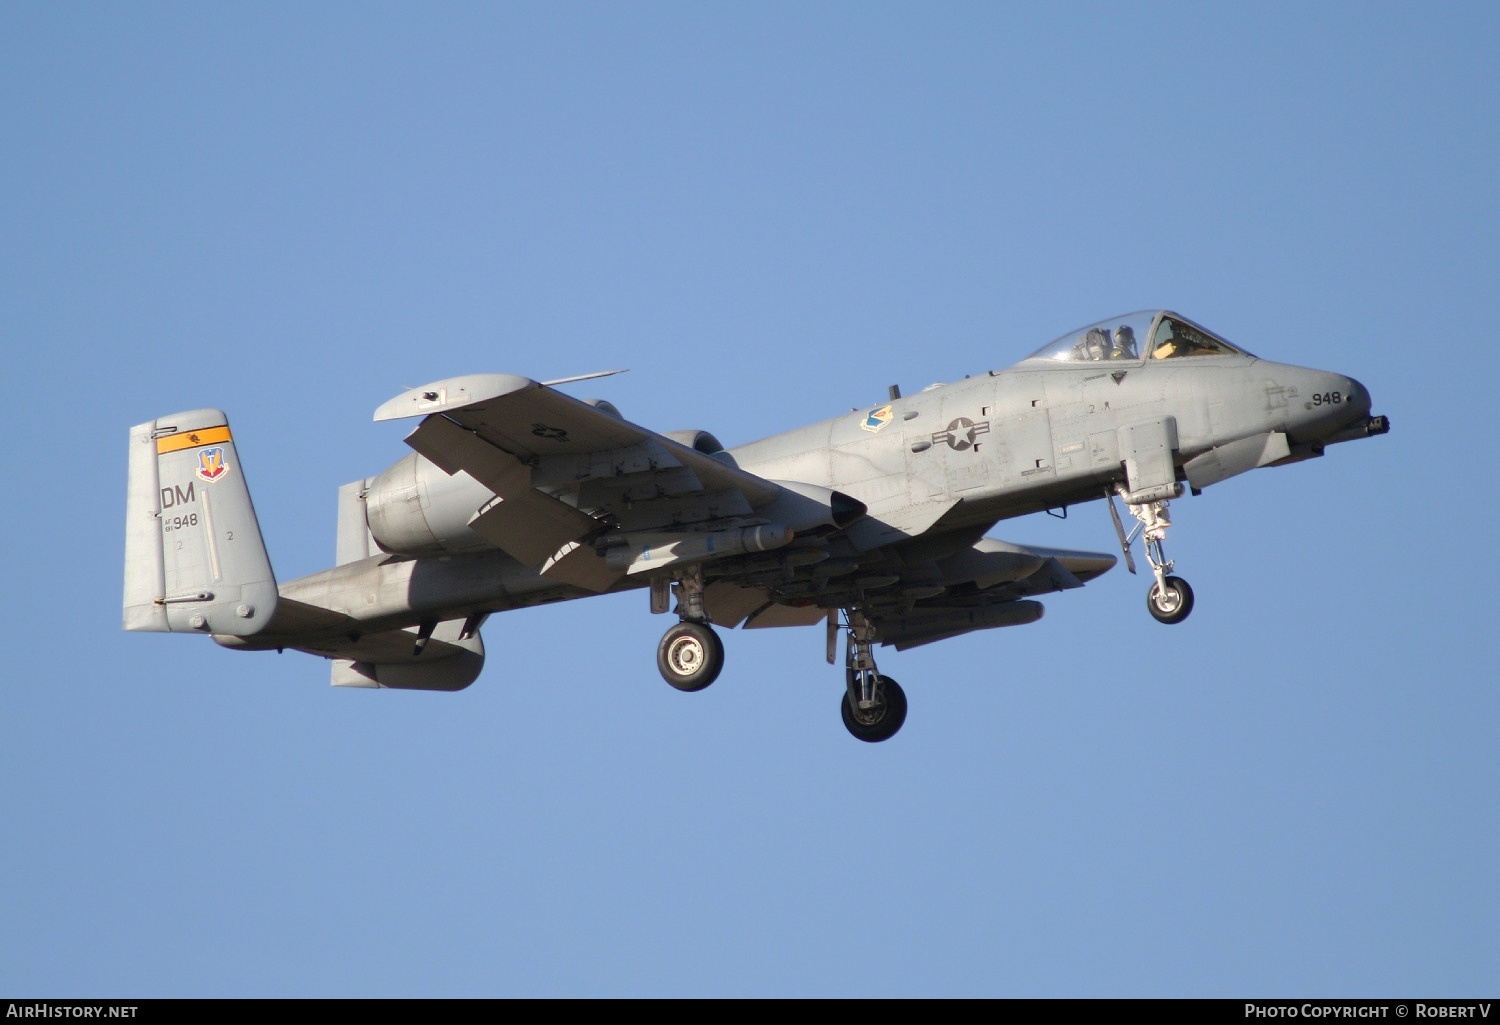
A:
{"x": 1170, "y": 601}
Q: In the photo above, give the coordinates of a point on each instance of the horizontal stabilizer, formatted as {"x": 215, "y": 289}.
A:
{"x": 446, "y": 660}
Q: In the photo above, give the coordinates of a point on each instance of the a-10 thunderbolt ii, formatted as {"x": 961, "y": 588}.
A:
{"x": 517, "y": 494}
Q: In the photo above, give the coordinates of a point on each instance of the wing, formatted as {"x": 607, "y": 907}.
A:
{"x": 989, "y": 585}
{"x": 586, "y": 497}
{"x": 911, "y": 595}
{"x": 570, "y": 478}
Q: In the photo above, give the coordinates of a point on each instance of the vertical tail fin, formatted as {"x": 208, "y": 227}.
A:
{"x": 354, "y": 539}
{"x": 194, "y": 558}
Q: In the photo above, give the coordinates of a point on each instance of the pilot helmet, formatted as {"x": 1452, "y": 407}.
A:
{"x": 1096, "y": 343}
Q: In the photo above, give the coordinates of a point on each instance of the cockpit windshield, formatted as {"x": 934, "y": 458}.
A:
{"x": 1176, "y": 337}
{"x": 1130, "y": 338}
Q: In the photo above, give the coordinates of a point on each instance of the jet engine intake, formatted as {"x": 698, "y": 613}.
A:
{"x": 698, "y": 441}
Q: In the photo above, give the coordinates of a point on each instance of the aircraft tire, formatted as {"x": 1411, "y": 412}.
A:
{"x": 885, "y": 722}
{"x": 690, "y": 656}
{"x": 1174, "y": 605}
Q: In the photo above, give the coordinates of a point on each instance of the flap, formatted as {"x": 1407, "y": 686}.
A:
{"x": 521, "y": 521}
{"x": 728, "y": 603}
{"x": 787, "y": 615}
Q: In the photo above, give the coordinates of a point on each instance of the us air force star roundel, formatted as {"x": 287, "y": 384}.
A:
{"x": 877, "y": 419}
{"x": 961, "y": 433}
{"x": 548, "y": 432}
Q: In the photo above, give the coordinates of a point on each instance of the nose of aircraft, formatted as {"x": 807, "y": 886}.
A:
{"x": 1325, "y": 403}
{"x": 1359, "y": 398}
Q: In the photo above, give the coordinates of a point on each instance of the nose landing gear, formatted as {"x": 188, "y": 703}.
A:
{"x": 1170, "y": 598}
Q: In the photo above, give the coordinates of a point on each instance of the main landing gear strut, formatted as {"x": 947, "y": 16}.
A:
{"x": 690, "y": 654}
{"x": 1170, "y": 598}
{"x": 874, "y": 706}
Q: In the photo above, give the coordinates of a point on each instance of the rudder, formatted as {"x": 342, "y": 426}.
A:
{"x": 194, "y": 558}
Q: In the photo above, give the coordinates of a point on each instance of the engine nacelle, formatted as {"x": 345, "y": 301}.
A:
{"x": 604, "y": 406}
{"x": 414, "y": 508}
{"x": 698, "y": 441}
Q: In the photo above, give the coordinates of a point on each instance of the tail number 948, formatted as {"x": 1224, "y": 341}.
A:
{"x": 1328, "y": 398}
{"x": 171, "y": 523}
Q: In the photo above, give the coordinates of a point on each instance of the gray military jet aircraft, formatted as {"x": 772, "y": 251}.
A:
{"x": 517, "y": 494}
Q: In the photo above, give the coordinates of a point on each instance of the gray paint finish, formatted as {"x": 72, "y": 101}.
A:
{"x": 194, "y": 559}
{"x": 517, "y": 494}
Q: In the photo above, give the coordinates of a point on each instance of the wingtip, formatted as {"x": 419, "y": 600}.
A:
{"x": 452, "y": 393}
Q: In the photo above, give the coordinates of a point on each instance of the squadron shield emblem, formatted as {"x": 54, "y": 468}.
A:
{"x": 877, "y": 419}
{"x": 211, "y": 464}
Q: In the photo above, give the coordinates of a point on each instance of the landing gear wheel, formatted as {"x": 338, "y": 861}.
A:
{"x": 1173, "y": 604}
{"x": 690, "y": 656}
{"x": 881, "y": 722}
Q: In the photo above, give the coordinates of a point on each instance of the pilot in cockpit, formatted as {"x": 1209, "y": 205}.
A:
{"x": 1094, "y": 346}
{"x": 1124, "y": 347}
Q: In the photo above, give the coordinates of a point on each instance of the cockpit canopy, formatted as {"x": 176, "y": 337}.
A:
{"x": 1149, "y": 334}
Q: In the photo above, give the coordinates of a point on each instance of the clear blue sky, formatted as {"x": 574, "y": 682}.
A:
{"x": 769, "y": 213}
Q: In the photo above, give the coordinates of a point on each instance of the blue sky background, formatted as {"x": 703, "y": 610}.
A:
{"x": 769, "y": 213}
